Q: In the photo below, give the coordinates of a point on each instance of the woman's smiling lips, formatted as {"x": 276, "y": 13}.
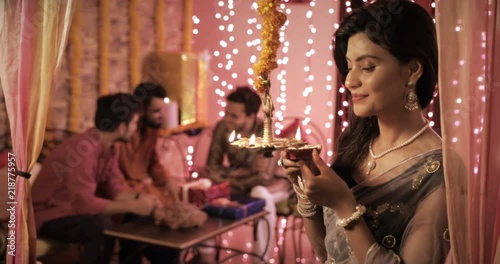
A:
{"x": 358, "y": 97}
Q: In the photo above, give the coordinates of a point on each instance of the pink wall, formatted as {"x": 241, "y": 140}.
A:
{"x": 297, "y": 33}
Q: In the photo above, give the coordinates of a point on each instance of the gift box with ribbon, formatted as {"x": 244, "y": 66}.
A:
{"x": 202, "y": 191}
{"x": 237, "y": 207}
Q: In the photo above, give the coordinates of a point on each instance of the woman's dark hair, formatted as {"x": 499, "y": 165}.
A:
{"x": 112, "y": 110}
{"x": 407, "y": 31}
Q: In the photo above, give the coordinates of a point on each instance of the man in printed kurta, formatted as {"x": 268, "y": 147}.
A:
{"x": 248, "y": 172}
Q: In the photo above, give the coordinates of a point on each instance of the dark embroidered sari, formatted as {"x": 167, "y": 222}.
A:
{"x": 406, "y": 212}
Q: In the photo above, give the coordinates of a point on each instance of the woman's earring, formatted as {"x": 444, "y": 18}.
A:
{"x": 411, "y": 99}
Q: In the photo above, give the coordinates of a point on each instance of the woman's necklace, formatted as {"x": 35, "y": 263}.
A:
{"x": 372, "y": 164}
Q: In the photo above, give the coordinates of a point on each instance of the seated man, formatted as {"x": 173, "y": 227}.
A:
{"x": 78, "y": 188}
{"x": 248, "y": 172}
{"x": 139, "y": 161}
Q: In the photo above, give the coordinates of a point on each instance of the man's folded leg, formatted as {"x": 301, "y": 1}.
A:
{"x": 87, "y": 230}
{"x": 265, "y": 233}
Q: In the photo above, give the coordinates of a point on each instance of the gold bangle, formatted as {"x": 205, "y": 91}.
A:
{"x": 307, "y": 210}
{"x": 299, "y": 193}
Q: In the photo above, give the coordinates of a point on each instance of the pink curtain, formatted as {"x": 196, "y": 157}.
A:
{"x": 33, "y": 35}
{"x": 469, "y": 81}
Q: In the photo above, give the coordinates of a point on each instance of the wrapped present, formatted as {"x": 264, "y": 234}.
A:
{"x": 202, "y": 191}
{"x": 239, "y": 206}
{"x": 200, "y": 184}
{"x": 180, "y": 215}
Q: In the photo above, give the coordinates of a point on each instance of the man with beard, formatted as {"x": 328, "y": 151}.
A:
{"x": 248, "y": 172}
{"x": 138, "y": 160}
{"x": 142, "y": 170}
{"x": 78, "y": 187}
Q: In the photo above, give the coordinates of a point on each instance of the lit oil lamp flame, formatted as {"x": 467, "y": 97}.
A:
{"x": 232, "y": 136}
{"x": 298, "y": 135}
{"x": 252, "y": 140}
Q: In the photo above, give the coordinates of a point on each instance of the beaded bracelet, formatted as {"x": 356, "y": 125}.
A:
{"x": 360, "y": 210}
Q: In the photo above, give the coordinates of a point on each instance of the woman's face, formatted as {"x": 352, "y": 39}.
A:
{"x": 376, "y": 80}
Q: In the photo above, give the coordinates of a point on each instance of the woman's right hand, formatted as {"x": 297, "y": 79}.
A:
{"x": 292, "y": 168}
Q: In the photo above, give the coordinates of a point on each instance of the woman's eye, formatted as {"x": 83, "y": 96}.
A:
{"x": 368, "y": 69}
{"x": 348, "y": 70}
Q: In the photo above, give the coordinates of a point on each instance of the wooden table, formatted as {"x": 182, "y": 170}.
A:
{"x": 144, "y": 230}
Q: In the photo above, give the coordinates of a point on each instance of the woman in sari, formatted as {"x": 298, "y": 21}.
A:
{"x": 383, "y": 200}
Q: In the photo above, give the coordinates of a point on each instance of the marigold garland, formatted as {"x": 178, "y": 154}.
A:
{"x": 135, "y": 44}
{"x": 104, "y": 25}
{"x": 273, "y": 20}
{"x": 201, "y": 92}
{"x": 188, "y": 24}
{"x": 75, "y": 82}
{"x": 160, "y": 31}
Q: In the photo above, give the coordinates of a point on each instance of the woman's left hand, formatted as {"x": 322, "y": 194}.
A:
{"x": 327, "y": 188}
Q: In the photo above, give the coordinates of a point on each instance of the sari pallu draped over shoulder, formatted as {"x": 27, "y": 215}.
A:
{"x": 405, "y": 211}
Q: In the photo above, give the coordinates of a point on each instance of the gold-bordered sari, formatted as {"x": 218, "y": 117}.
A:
{"x": 406, "y": 212}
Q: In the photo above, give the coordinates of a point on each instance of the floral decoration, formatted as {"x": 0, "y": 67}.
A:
{"x": 273, "y": 20}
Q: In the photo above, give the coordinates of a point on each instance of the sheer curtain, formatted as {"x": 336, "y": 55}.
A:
{"x": 469, "y": 80}
{"x": 33, "y": 35}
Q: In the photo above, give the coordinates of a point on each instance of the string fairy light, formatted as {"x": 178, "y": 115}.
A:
{"x": 196, "y": 21}
{"x": 190, "y": 162}
{"x": 463, "y": 105}
{"x": 434, "y": 104}
{"x": 308, "y": 89}
{"x": 281, "y": 77}
{"x": 329, "y": 124}
{"x": 224, "y": 54}
{"x": 342, "y": 102}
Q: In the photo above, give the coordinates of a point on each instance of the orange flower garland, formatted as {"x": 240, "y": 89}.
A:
{"x": 104, "y": 27}
{"x": 188, "y": 25}
{"x": 135, "y": 44}
{"x": 75, "y": 81}
{"x": 273, "y": 20}
{"x": 160, "y": 30}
